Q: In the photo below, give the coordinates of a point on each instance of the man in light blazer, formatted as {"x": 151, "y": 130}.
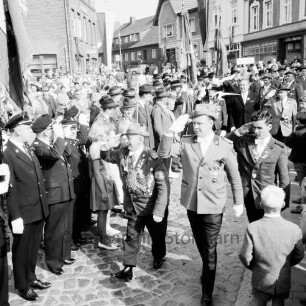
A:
{"x": 206, "y": 159}
{"x": 283, "y": 110}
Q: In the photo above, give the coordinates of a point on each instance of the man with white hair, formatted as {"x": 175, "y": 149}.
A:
{"x": 264, "y": 239}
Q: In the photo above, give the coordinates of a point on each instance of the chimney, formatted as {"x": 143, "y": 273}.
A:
{"x": 132, "y": 20}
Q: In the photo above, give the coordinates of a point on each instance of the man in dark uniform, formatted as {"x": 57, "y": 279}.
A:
{"x": 4, "y": 184}
{"x": 146, "y": 196}
{"x": 27, "y": 206}
{"x": 49, "y": 147}
{"x": 260, "y": 159}
{"x": 79, "y": 166}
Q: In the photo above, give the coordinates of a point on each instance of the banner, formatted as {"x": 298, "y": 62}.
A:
{"x": 221, "y": 59}
{"x": 203, "y": 8}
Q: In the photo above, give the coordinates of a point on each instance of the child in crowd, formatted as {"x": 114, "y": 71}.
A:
{"x": 271, "y": 246}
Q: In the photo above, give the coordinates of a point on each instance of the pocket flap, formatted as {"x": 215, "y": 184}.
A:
{"x": 52, "y": 184}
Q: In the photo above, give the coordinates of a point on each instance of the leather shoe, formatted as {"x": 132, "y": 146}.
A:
{"x": 58, "y": 271}
{"x": 69, "y": 261}
{"x": 28, "y": 294}
{"x": 38, "y": 284}
{"x": 157, "y": 263}
{"x": 75, "y": 247}
{"x": 206, "y": 300}
{"x": 125, "y": 274}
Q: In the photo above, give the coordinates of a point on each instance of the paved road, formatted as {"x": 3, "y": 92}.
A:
{"x": 87, "y": 282}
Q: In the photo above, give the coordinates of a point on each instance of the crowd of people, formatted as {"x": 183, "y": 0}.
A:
{"x": 88, "y": 144}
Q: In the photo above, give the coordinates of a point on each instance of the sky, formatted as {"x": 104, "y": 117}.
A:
{"x": 124, "y": 9}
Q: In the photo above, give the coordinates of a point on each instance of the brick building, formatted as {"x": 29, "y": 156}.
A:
{"x": 169, "y": 20}
{"x": 62, "y": 34}
{"x": 275, "y": 28}
{"x": 137, "y": 41}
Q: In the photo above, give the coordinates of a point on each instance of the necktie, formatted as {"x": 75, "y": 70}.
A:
{"x": 27, "y": 150}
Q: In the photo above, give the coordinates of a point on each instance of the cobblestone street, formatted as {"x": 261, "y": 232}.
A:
{"x": 87, "y": 282}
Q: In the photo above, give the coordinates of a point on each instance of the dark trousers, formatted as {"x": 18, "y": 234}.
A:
{"x": 24, "y": 254}
{"x": 58, "y": 234}
{"x": 135, "y": 227}
{"x": 3, "y": 268}
{"x": 81, "y": 215}
{"x": 253, "y": 213}
{"x": 205, "y": 229}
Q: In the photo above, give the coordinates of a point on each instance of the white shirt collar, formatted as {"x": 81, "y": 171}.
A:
{"x": 275, "y": 215}
{"x": 18, "y": 144}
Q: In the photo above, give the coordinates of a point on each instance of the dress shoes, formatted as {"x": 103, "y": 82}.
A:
{"x": 69, "y": 261}
{"x": 125, "y": 274}
{"x": 206, "y": 300}
{"x": 109, "y": 246}
{"x": 157, "y": 263}
{"x": 28, "y": 294}
{"x": 57, "y": 271}
{"x": 38, "y": 284}
{"x": 75, "y": 247}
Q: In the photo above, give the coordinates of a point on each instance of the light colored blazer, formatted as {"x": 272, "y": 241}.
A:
{"x": 283, "y": 119}
{"x": 203, "y": 187}
{"x": 271, "y": 246}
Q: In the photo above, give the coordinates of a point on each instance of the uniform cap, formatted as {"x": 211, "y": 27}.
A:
{"x": 291, "y": 72}
{"x": 107, "y": 102}
{"x": 162, "y": 93}
{"x": 137, "y": 129}
{"x": 71, "y": 112}
{"x": 18, "y": 120}
{"x": 267, "y": 76}
{"x": 129, "y": 93}
{"x": 41, "y": 123}
{"x": 145, "y": 88}
{"x": 210, "y": 110}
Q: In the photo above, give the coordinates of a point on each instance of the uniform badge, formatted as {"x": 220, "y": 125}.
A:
{"x": 254, "y": 175}
{"x": 159, "y": 175}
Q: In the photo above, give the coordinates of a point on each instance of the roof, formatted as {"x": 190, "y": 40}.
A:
{"x": 176, "y": 6}
{"x": 137, "y": 26}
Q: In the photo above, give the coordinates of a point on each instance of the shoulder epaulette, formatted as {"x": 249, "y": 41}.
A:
{"x": 282, "y": 145}
{"x": 226, "y": 140}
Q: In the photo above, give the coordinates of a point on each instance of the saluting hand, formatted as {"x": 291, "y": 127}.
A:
{"x": 157, "y": 219}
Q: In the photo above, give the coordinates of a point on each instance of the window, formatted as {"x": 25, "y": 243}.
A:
{"x": 254, "y": 16}
{"x": 195, "y": 49}
{"x": 126, "y": 57}
{"x": 302, "y": 9}
{"x": 153, "y": 53}
{"x": 132, "y": 56}
{"x": 285, "y": 11}
{"x": 79, "y": 26}
{"x": 139, "y": 55}
{"x": 234, "y": 12}
{"x": 192, "y": 24}
{"x": 94, "y": 33}
{"x": 125, "y": 39}
{"x": 134, "y": 37}
{"x": 267, "y": 13}
{"x": 89, "y": 36}
{"x": 84, "y": 30}
{"x": 216, "y": 16}
{"x": 168, "y": 30}
{"x": 116, "y": 41}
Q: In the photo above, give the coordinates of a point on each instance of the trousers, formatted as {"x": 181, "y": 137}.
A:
{"x": 3, "y": 268}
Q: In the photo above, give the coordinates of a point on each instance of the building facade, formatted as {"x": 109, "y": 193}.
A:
{"x": 62, "y": 34}
{"x": 229, "y": 17}
{"x": 275, "y": 29}
{"x": 136, "y": 43}
{"x": 3, "y": 48}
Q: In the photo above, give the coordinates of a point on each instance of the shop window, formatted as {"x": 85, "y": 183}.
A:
{"x": 125, "y": 39}
{"x": 132, "y": 56}
{"x": 126, "y": 57}
{"x": 139, "y": 55}
{"x": 153, "y": 53}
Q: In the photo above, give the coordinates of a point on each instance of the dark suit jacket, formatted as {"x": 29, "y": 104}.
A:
{"x": 162, "y": 121}
{"x": 240, "y": 113}
{"x": 144, "y": 119}
{"x": 56, "y": 170}
{"x": 256, "y": 175}
{"x": 295, "y": 92}
{"x": 147, "y": 191}
{"x": 302, "y": 82}
{"x": 297, "y": 141}
{"x": 27, "y": 198}
{"x": 255, "y": 87}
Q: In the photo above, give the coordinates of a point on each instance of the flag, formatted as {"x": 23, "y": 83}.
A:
{"x": 188, "y": 50}
{"x": 221, "y": 58}
{"x": 203, "y": 9}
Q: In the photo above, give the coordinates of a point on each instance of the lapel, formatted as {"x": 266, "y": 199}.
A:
{"x": 279, "y": 105}
{"x": 266, "y": 152}
{"x": 20, "y": 154}
{"x": 196, "y": 147}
